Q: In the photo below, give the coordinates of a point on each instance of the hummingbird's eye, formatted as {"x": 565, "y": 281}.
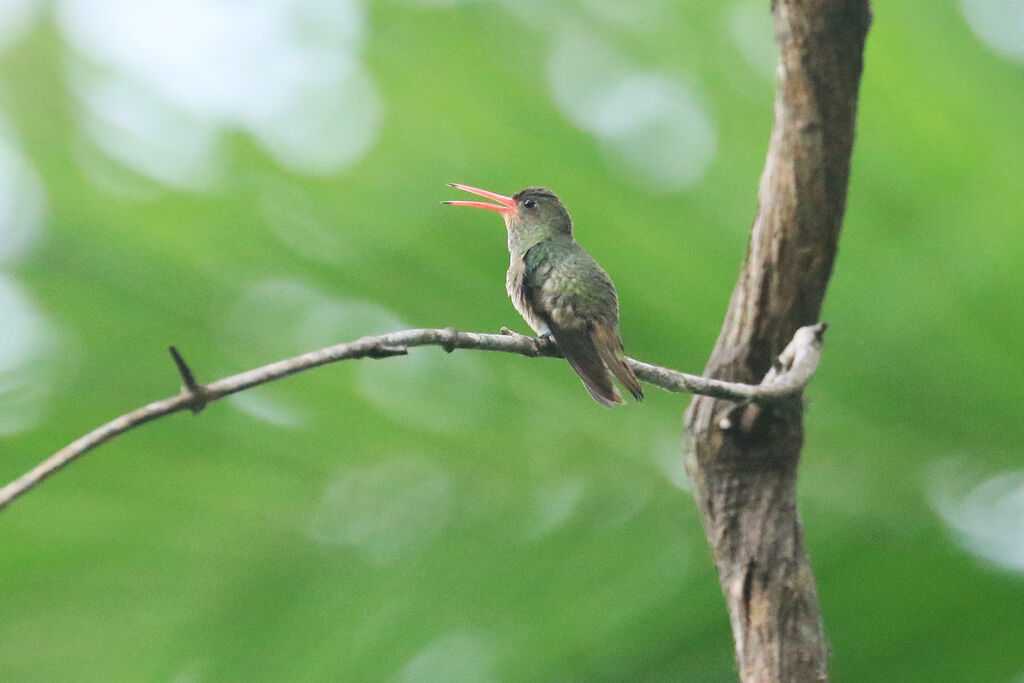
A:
{"x": 529, "y": 203}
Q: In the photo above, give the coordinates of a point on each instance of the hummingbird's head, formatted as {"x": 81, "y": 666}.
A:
{"x": 535, "y": 211}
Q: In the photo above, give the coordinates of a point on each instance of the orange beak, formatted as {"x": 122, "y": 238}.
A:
{"x": 506, "y": 205}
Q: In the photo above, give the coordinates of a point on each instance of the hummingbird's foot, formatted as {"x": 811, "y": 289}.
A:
{"x": 545, "y": 343}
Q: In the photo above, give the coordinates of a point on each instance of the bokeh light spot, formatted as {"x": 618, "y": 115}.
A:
{"x": 668, "y": 458}
{"x": 554, "y": 505}
{"x": 430, "y": 389}
{"x": 133, "y": 126}
{"x": 458, "y": 657}
{"x": 267, "y": 407}
{"x": 387, "y": 511}
{"x": 22, "y": 199}
{"x": 279, "y": 318}
{"x": 288, "y": 72}
{"x": 28, "y": 347}
{"x": 985, "y": 514}
{"x": 16, "y": 16}
{"x": 323, "y": 126}
{"x": 648, "y": 124}
{"x": 999, "y": 24}
{"x": 750, "y": 26}
{"x": 300, "y": 224}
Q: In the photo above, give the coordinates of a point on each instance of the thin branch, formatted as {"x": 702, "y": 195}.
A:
{"x": 190, "y": 386}
{"x": 194, "y": 396}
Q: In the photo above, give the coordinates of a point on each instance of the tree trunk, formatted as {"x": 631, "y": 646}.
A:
{"x": 743, "y": 459}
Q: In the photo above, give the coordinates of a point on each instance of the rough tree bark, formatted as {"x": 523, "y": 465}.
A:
{"x": 743, "y": 458}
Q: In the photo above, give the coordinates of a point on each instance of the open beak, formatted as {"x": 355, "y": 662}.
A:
{"x": 505, "y": 205}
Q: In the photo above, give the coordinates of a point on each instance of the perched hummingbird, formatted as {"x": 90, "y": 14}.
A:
{"x": 560, "y": 290}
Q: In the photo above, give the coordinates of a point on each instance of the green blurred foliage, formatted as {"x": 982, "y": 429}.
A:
{"x": 478, "y": 517}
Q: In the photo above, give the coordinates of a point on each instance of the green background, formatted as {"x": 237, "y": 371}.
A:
{"x": 476, "y": 517}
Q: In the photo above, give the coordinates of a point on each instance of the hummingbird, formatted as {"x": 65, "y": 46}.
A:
{"x": 560, "y": 290}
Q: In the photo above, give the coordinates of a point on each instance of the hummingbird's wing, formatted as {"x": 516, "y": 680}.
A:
{"x": 609, "y": 346}
{"x": 554, "y": 295}
{"x": 590, "y": 296}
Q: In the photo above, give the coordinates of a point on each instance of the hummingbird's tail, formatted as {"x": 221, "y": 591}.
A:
{"x": 593, "y": 351}
{"x": 579, "y": 349}
{"x": 609, "y": 346}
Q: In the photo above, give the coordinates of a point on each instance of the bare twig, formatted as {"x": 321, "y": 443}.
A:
{"x": 194, "y": 396}
{"x": 190, "y": 387}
